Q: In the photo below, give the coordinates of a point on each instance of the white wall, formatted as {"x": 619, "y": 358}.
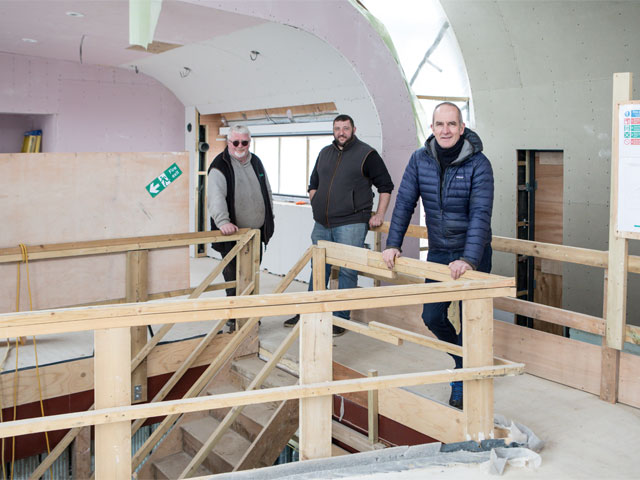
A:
{"x": 291, "y": 239}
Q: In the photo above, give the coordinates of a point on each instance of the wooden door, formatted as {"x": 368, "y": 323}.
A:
{"x": 548, "y": 229}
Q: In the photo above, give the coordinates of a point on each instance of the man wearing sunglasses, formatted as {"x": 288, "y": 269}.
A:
{"x": 239, "y": 196}
{"x": 342, "y": 199}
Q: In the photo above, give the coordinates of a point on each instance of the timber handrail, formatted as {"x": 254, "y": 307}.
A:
{"x": 117, "y": 245}
{"x": 243, "y": 240}
{"x": 215, "y": 366}
{"x": 116, "y": 318}
{"x": 548, "y": 251}
{"x": 105, "y": 416}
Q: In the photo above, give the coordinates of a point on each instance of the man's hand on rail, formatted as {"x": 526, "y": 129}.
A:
{"x": 376, "y": 220}
{"x": 228, "y": 229}
{"x": 458, "y": 267}
{"x": 389, "y": 256}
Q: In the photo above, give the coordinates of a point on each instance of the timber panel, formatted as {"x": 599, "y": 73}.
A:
{"x": 548, "y": 229}
{"x": 63, "y": 197}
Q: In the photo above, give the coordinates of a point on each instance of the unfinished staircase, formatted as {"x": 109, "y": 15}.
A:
{"x": 255, "y": 439}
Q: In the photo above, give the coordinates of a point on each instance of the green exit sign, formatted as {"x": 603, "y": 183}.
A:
{"x": 163, "y": 180}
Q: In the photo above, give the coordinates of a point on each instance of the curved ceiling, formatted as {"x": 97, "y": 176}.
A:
{"x": 311, "y": 51}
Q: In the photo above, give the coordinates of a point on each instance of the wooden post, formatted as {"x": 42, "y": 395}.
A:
{"x": 256, "y": 248}
{"x": 377, "y": 247}
{"x": 372, "y": 410}
{"x": 333, "y": 279}
{"x": 318, "y": 262}
{"x": 610, "y": 361}
{"x": 81, "y": 459}
{"x": 112, "y": 374}
{"x": 618, "y": 258}
{"x": 477, "y": 351}
{"x": 137, "y": 291}
{"x": 244, "y": 274}
{"x": 316, "y": 365}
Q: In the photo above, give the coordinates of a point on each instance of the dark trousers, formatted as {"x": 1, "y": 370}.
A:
{"x": 434, "y": 315}
{"x": 229, "y": 272}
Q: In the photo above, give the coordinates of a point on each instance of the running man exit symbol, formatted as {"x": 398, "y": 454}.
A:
{"x": 163, "y": 180}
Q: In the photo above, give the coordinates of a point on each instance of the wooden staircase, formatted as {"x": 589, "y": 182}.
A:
{"x": 255, "y": 439}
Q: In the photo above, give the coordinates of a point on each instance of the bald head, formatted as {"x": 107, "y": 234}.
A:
{"x": 445, "y": 105}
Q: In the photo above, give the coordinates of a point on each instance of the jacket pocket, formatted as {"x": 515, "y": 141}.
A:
{"x": 362, "y": 200}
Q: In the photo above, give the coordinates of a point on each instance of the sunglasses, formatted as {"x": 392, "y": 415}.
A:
{"x": 244, "y": 143}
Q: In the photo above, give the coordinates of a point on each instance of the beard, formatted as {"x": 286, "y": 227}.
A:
{"x": 342, "y": 139}
{"x": 239, "y": 158}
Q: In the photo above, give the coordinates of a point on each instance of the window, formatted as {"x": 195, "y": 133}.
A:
{"x": 289, "y": 160}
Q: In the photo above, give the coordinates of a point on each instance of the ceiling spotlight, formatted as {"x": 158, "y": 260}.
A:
{"x": 75, "y": 14}
{"x": 30, "y": 40}
{"x": 184, "y": 73}
{"x": 253, "y": 55}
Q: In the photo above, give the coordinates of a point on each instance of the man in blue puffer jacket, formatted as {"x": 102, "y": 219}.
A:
{"x": 455, "y": 182}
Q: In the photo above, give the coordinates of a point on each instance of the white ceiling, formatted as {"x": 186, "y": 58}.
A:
{"x": 105, "y": 27}
{"x": 290, "y": 69}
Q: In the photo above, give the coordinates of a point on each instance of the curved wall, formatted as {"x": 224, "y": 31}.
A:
{"x": 541, "y": 77}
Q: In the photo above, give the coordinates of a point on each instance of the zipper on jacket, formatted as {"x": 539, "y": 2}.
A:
{"x": 331, "y": 185}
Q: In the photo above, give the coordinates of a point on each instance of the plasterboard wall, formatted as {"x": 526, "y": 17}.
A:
{"x": 92, "y": 108}
{"x": 541, "y": 78}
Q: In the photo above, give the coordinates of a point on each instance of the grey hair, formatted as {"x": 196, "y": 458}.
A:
{"x": 239, "y": 129}
{"x": 460, "y": 121}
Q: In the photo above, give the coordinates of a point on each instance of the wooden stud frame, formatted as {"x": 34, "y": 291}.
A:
{"x": 316, "y": 388}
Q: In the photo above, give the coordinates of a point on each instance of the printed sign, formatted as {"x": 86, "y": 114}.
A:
{"x": 629, "y": 168}
{"x": 163, "y": 180}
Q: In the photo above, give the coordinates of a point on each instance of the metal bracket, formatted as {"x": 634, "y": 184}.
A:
{"x": 137, "y": 392}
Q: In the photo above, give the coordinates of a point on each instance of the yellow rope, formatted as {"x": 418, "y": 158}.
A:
{"x": 25, "y": 259}
{"x": 4, "y": 359}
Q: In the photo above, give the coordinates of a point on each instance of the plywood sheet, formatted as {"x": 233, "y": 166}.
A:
{"x": 556, "y": 358}
{"x": 66, "y": 197}
{"x": 629, "y": 386}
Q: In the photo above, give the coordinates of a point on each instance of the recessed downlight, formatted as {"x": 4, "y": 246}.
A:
{"x": 75, "y": 14}
{"x": 30, "y": 40}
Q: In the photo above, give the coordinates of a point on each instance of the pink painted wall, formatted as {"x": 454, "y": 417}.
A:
{"x": 93, "y": 108}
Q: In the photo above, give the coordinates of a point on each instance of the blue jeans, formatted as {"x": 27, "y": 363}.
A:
{"x": 434, "y": 315}
{"x": 353, "y": 235}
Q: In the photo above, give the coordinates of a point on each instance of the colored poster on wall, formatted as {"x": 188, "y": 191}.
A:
{"x": 629, "y": 170}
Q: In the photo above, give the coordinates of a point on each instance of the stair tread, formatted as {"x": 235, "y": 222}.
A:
{"x": 173, "y": 465}
{"x": 261, "y": 413}
{"x": 248, "y": 367}
{"x": 231, "y": 446}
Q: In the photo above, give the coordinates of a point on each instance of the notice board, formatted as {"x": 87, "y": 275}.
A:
{"x": 628, "y": 170}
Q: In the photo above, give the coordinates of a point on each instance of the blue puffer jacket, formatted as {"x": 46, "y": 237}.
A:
{"x": 457, "y": 207}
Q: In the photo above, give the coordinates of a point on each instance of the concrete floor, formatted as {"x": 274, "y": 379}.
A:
{"x": 585, "y": 437}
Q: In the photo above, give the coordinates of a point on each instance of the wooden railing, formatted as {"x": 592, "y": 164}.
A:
{"x": 247, "y": 254}
{"x": 113, "y": 360}
{"x": 588, "y": 323}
